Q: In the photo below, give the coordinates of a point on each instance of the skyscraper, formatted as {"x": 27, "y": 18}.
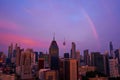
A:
{"x": 73, "y": 50}
{"x": 111, "y": 50}
{"x": 86, "y": 57}
{"x": 10, "y": 51}
{"x": 53, "y": 54}
{"x": 97, "y": 60}
{"x": 68, "y": 69}
{"x": 54, "y": 49}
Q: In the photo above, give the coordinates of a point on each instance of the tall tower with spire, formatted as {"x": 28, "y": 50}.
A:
{"x": 54, "y": 49}
{"x": 53, "y": 53}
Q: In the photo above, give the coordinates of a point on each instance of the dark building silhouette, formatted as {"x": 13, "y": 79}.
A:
{"x": 106, "y": 64}
{"x": 54, "y": 63}
{"x": 53, "y": 55}
{"x": 41, "y": 54}
{"x": 97, "y": 61}
{"x": 66, "y": 55}
{"x": 86, "y": 57}
{"x": 36, "y": 56}
{"x": 73, "y": 50}
{"x": 111, "y": 50}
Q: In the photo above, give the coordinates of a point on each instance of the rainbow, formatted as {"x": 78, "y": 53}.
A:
{"x": 92, "y": 26}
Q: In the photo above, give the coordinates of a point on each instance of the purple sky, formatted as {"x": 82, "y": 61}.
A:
{"x": 91, "y": 24}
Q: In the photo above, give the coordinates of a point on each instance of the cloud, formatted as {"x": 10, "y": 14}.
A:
{"x": 8, "y": 25}
{"x": 6, "y": 39}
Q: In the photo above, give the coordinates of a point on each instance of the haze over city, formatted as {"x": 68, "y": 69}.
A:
{"x": 31, "y": 24}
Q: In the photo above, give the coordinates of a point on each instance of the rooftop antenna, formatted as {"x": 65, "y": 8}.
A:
{"x": 64, "y": 44}
{"x": 54, "y": 36}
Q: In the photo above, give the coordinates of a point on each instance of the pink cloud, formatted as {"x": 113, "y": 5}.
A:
{"x": 6, "y": 39}
{"x": 8, "y": 25}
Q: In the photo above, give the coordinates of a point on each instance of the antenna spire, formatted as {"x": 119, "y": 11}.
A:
{"x": 54, "y": 36}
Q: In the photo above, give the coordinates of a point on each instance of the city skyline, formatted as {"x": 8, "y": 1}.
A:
{"x": 31, "y": 24}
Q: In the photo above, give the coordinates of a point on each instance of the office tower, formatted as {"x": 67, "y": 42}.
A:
{"x": 86, "y": 57}
{"x": 53, "y": 54}
{"x": 111, "y": 50}
{"x": 10, "y": 51}
{"x": 97, "y": 61}
{"x": 41, "y": 62}
{"x": 68, "y": 69}
{"x": 73, "y": 50}
{"x": 78, "y": 57}
{"x": 113, "y": 65}
{"x": 26, "y": 64}
{"x": 66, "y": 55}
{"x": 106, "y": 63}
